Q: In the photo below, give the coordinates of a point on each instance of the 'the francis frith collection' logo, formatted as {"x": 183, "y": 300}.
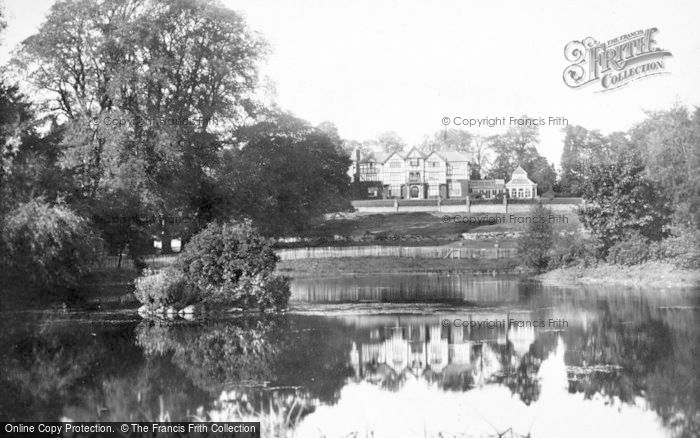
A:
{"x": 614, "y": 63}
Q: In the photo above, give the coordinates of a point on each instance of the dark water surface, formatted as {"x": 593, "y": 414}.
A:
{"x": 382, "y": 355}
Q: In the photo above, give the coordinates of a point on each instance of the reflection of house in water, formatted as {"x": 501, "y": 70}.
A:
{"x": 451, "y": 355}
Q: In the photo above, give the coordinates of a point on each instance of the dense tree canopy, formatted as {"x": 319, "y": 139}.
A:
{"x": 145, "y": 88}
{"x": 518, "y": 147}
{"x": 669, "y": 143}
{"x": 285, "y": 173}
{"x": 623, "y": 201}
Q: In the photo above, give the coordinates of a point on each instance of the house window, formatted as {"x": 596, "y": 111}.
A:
{"x": 414, "y": 162}
{"x": 455, "y": 189}
{"x": 414, "y": 176}
{"x": 433, "y": 190}
{"x": 395, "y": 164}
{"x": 434, "y": 163}
{"x": 527, "y": 193}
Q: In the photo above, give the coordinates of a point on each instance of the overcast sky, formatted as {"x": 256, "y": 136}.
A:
{"x": 371, "y": 66}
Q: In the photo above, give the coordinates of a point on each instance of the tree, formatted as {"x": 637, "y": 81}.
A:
{"x": 580, "y": 146}
{"x": 517, "y": 147}
{"x": 621, "y": 201}
{"x": 47, "y": 246}
{"x": 390, "y": 142}
{"x": 146, "y": 88}
{"x": 283, "y": 174}
{"x": 480, "y": 147}
{"x": 448, "y": 140}
{"x": 669, "y": 143}
{"x": 535, "y": 242}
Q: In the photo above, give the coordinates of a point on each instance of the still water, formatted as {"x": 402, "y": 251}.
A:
{"x": 382, "y": 356}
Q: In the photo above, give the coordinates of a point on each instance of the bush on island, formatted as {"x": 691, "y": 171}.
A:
{"x": 220, "y": 254}
{"x": 223, "y": 266}
{"x": 47, "y": 246}
{"x": 164, "y": 288}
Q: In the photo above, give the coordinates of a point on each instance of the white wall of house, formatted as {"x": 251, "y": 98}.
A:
{"x": 394, "y": 174}
{"x": 408, "y": 175}
{"x": 435, "y": 173}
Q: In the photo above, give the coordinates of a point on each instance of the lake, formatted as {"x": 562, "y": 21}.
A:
{"x": 383, "y": 355}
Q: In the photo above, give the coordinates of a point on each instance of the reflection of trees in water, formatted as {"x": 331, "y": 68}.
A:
{"x": 39, "y": 368}
{"x": 645, "y": 358}
{"x": 282, "y": 367}
{"x": 85, "y": 372}
{"x": 520, "y": 373}
{"x": 241, "y": 361}
{"x": 254, "y": 352}
{"x": 216, "y": 356}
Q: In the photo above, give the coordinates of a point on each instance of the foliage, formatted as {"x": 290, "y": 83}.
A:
{"x": 285, "y": 175}
{"x": 668, "y": 143}
{"x": 535, "y": 243}
{"x": 217, "y": 354}
{"x": 47, "y": 245}
{"x": 263, "y": 292}
{"x": 28, "y": 161}
{"x": 164, "y": 288}
{"x": 391, "y": 142}
{"x": 632, "y": 249}
{"x": 146, "y": 90}
{"x": 221, "y": 254}
{"x": 517, "y": 147}
{"x": 232, "y": 264}
{"x": 622, "y": 200}
{"x": 571, "y": 248}
{"x": 450, "y": 139}
{"x": 580, "y": 146}
{"x": 681, "y": 248}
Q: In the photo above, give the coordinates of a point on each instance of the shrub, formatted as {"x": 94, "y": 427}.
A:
{"x": 535, "y": 242}
{"x": 622, "y": 199}
{"x": 48, "y": 246}
{"x": 227, "y": 264}
{"x": 219, "y": 255}
{"x": 165, "y": 288}
{"x": 682, "y": 248}
{"x": 633, "y": 249}
{"x": 570, "y": 248}
{"x": 262, "y": 292}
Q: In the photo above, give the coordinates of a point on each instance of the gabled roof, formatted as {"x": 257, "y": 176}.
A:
{"x": 519, "y": 177}
{"x": 427, "y": 157}
{"x": 417, "y": 153}
{"x": 391, "y": 155}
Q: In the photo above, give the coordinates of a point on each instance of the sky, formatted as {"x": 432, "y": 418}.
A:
{"x": 371, "y": 66}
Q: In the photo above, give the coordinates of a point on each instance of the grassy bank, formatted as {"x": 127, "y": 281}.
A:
{"x": 429, "y": 226}
{"x": 376, "y": 265}
{"x": 650, "y": 274}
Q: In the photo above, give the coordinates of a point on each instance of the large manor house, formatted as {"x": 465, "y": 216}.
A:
{"x": 444, "y": 174}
